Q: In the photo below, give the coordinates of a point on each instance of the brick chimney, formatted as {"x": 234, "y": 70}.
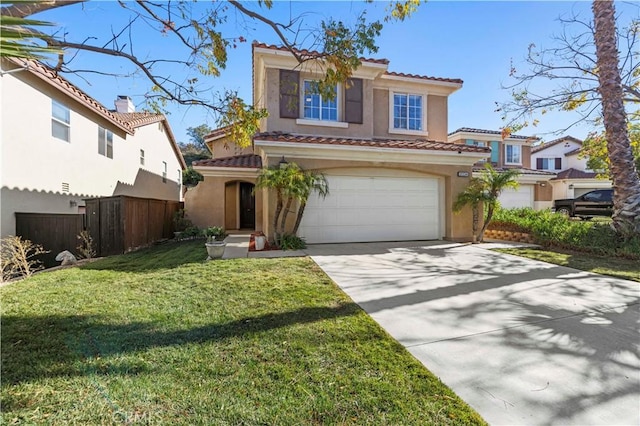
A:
{"x": 124, "y": 104}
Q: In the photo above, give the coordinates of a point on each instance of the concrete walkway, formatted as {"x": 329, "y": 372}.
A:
{"x": 522, "y": 341}
{"x": 238, "y": 247}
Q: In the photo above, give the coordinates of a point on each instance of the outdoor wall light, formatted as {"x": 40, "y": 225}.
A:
{"x": 283, "y": 163}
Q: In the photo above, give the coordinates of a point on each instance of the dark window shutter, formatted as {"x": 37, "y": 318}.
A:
{"x": 289, "y": 94}
{"x": 558, "y": 163}
{"x": 539, "y": 163}
{"x": 353, "y": 101}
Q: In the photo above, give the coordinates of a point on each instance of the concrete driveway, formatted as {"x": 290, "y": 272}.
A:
{"x": 522, "y": 341}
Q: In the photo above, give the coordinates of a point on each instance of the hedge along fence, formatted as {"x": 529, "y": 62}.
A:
{"x": 556, "y": 230}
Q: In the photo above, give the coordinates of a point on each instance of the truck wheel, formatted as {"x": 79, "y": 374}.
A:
{"x": 564, "y": 210}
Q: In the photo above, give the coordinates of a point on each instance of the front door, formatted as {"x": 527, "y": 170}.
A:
{"x": 247, "y": 206}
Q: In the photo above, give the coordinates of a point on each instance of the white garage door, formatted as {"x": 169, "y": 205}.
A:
{"x": 360, "y": 209}
{"x": 517, "y": 198}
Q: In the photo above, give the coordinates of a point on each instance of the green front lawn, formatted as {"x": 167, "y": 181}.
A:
{"x": 162, "y": 337}
{"x": 628, "y": 269}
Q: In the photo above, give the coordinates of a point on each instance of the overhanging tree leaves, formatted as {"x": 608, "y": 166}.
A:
{"x": 626, "y": 183}
{"x": 199, "y": 29}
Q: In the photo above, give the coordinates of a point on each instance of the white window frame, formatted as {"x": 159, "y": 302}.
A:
{"x": 321, "y": 121}
{"x": 105, "y": 140}
{"x": 61, "y": 121}
{"x": 506, "y": 147}
{"x": 392, "y": 129}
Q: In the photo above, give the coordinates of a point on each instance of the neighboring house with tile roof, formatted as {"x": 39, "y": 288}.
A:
{"x": 60, "y": 146}
{"x": 573, "y": 177}
{"x": 381, "y": 143}
{"x": 510, "y": 152}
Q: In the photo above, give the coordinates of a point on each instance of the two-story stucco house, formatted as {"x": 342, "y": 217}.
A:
{"x": 381, "y": 143}
{"x": 513, "y": 151}
{"x": 573, "y": 177}
{"x": 60, "y": 146}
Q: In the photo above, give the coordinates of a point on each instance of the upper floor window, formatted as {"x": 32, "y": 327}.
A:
{"x": 105, "y": 142}
{"x": 549, "y": 163}
{"x": 142, "y": 157}
{"x": 318, "y": 108}
{"x": 512, "y": 154}
{"x": 407, "y": 111}
{"x": 164, "y": 171}
{"x": 60, "y": 121}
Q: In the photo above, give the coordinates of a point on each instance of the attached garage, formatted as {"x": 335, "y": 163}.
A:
{"x": 374, "y": 208}
{"x": 517, "y": 198}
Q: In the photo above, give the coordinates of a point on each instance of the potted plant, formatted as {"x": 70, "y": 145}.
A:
{"x": 215, "y": 241}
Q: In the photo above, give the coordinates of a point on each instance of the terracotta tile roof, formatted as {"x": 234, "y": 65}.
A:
{"x": 522, "y": 170}
{"x": 420, "y": 144}
{"x": 490, "y": 132}
{"x": 218, "y": 133}
{"x": 311, "y": 53}
{"x": 247, "y": 161}
{"x": 51, "y": 77}
{"x": 424, "y": 77}
{"x": 573, "y": 152}
{"x": 138, "y": 119}
{"x": 549, "y": 144}
{"x": 575, "y": 174}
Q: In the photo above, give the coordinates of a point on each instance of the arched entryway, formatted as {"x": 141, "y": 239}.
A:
{"x": 240, "y": 205}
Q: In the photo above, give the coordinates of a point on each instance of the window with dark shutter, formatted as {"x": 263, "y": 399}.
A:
{"x": 539, "y": 164}
{"x": 353, "y": 101}
{"x": 289, "y": 94}
{"x": 558, "y": 163}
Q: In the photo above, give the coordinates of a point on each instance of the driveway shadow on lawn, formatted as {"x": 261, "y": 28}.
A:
{"x": 52, "y": 346}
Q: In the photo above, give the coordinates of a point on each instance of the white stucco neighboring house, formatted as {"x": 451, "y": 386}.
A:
{"x": 59, "y": 146}
{"x": 573, "y": 178}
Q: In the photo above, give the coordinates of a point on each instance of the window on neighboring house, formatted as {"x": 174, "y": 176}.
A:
{"x": 513, "y": 154}
{"x": 60, "y": 121}
{"x": 407, "y": 111}
{"x": 477, "y": 143}
{"x": 549, "y": 163}
{"x": 317, "y": 108}
{"x": 142, "y": 157}
{"x": 164, "y": 171}
{"x": 105, "y": 142}
{"x": 179, "y": 176}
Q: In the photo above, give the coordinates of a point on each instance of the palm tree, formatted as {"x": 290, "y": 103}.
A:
{"x": 309, "y": 183}
{"x": 486, "y": 189}
{"x": 473, "y": 196}
{"x": 626, "y": 183}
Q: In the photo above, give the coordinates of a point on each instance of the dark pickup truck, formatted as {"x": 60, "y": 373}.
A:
{"x": 593, "y": 203}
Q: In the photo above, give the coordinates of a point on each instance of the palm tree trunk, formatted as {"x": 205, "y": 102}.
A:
{"x": 276, "y": 215}
{"x": 490, "y": 209}
{"x": 303, "y": 204}
{"x": 285, "y": 213}
{"x": 476, "y": 218}
{"x": 626, "y": 184}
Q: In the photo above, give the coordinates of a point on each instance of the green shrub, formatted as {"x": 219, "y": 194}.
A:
{"x": 556, "y": 230}
{"x": 214, "y": 233}
{"x": 291, "y": 242}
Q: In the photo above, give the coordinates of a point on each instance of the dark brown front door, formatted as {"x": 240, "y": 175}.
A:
{"x": 247, "y": 206}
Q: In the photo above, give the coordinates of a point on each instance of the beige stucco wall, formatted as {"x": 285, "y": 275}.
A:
{"x": 456, "y": 226}
{"x": 225, "y": 147}
{"x": 214, "y": 202}
{"x": 543, "y": 193}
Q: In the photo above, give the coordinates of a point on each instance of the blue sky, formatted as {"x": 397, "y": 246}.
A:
{"x": 476, "y": 41}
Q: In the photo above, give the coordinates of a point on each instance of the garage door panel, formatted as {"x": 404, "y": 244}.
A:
{"x": 517, "y": 198}
{"x": 373, "y": 209}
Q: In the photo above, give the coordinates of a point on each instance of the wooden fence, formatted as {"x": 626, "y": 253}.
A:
{"x": 122, "y": 223}
{"x": 54, "y": 232}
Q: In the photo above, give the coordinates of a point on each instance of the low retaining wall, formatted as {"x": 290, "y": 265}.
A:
{"x": 519, "y": 237}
